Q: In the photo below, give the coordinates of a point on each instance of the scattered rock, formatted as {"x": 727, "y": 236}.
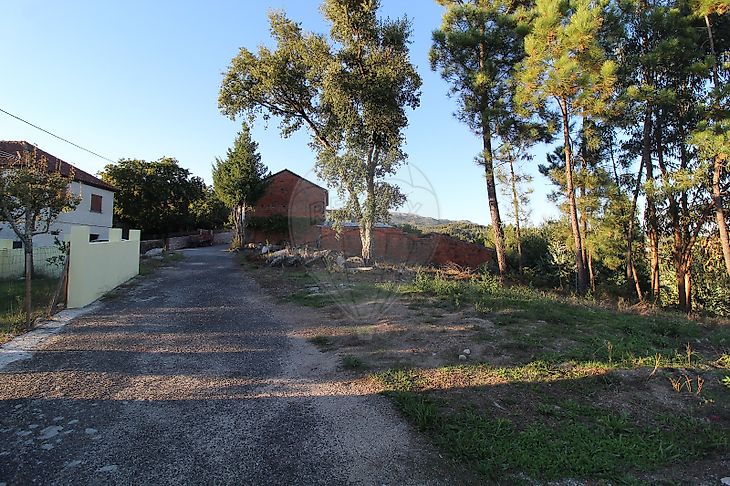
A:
{"x": 47, "y": 447}
{"x": 23, "y": 433}
{"x": 340, "y": 261}
{"x": 73, "y": 463}
{"x": 33, "y": 426}
{"x": 355, "y": 262}
{"x": 73, "y": 422}
{"x": 51, "y": 431}
{"x": 109, "y": 468}
{"x": 153, "y": 252}
{"x": 467, "y": 351}
{"x": 462, "y": 357}
{"x": 725, "y": 481}
{"x": 90, "y": 431}
{"x": 264, "y": 250}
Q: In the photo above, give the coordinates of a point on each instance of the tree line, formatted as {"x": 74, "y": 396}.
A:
{"x": 632, "y": 94}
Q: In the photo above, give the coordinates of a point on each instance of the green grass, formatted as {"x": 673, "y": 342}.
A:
{"x": 147, "y": 266}
{"x": 352, "y": 363}
{"x": 12, "y": 317}
{"x": 536, "y": 319}
{"x": 587, "y": 442}
{"x": 322, "y": 342}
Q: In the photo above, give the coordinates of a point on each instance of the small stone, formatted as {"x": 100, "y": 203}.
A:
{"x": 51, "y": 431}
{"x": 47, "y": 447}
{"x": 18, "y": 406}
{"x": 462, "y": 357}
{"x": 73, "y": 463}
{"x": 264, "y": 250}
{"x": 57, "y": 419}
{"x": 23, "y": 433}
{"x": 725, "y": 481}
{"x": 90, "y": 431}
{"x": 467, "y": 351}
{"x": 33, "y": 426}
{"x": 109, "y": 468}
{"x": 73, "y": 422}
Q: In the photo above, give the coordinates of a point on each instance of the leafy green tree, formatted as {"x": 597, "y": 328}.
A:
{"x": 32, "y": 195}
{"x": 350, "y": 92}
{"x": 238, "y": 181}
{"x": 712, "y": 137}
{"x": 476, "y": 50}
{"x": 209, "y": 212}
{"x": 566, "y": 64}
{"x": 153, "y": 196}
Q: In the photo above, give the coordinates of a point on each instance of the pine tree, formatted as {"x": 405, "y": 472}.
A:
{"x": 238, "y": 181}
{"x": 565, "y": 64}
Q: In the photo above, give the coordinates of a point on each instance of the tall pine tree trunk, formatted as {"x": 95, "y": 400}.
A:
{"x": 720, "y": 213}
{"x": 582, "y": 283}
{"x": 516, "y": 206}
{"x": 497, "y": 230}
{"x": 652, "y": 222}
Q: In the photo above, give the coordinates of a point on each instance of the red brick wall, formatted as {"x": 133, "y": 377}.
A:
{"x": 395, "y": 246}
{"x": 293, "y": 197}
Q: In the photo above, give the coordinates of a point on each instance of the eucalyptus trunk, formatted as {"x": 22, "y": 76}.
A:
{"x": 367, "y": 222}
{"x": 582, "y": 274}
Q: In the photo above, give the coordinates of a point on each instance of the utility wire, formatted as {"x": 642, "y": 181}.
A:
{"x": 54, "y": 135}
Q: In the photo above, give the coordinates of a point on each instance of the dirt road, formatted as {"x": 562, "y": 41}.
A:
{"x": 194, "y": 375}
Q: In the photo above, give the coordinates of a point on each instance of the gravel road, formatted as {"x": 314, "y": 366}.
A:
{"x": 193, "y": 375}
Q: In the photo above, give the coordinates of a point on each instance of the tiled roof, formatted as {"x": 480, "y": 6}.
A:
{"x": 10, "y": 150}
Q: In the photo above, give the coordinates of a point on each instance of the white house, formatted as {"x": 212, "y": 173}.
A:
{"x": 95, "y": 209}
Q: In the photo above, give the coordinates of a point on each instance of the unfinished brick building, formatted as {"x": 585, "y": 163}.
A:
{"x": 292, "y": 212}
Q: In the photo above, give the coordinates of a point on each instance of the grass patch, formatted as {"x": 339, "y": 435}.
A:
{"x": 147, "y": 266}
{"x": 350, "y": 362}
{"x": 322, "y": 342}
{"x": 535, "y": 318}
{"x": 12, "y": 292}
{"x": 589, "y": 442}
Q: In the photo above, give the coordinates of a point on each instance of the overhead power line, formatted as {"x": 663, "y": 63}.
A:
{"x": 58, "y": 137}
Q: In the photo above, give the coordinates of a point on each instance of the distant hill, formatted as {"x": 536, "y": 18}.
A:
{"x": 423, "y": 222}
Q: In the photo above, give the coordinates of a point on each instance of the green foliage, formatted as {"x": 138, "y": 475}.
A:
{"x": 32, "y": 196}
{"x": 350, "y": 91}
{"x": 209, "y": 212}
{"x": 238, "y": 179}
{"x": 585, "y": 442}
{"x": 155, "y": 197}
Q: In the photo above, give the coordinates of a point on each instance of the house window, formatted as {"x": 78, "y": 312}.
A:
{"x": 93, "y": 237}
{"x": 17, "y": 245}
{"x": 95, "y": 203}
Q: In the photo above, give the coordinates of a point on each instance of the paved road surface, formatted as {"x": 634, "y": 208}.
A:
{"x": 190, "y": 377}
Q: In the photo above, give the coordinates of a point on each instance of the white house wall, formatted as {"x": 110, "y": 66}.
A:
{"x": 98, "y": 223}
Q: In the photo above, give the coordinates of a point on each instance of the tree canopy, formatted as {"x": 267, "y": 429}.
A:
{"x": 350, "y": 91}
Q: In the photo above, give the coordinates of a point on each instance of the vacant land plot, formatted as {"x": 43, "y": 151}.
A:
{"x": 523, "y": 385}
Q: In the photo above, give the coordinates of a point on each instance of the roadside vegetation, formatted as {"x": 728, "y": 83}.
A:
{"x": 524, "y": 385}
{"x": 147, "y": 266}
{"x": 12, "y": 312}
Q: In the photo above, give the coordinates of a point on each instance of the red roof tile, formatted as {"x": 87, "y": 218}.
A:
{"x": 11, "y": 149}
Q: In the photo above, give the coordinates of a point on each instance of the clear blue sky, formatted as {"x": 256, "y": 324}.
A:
{"x": 140, "y": 79}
